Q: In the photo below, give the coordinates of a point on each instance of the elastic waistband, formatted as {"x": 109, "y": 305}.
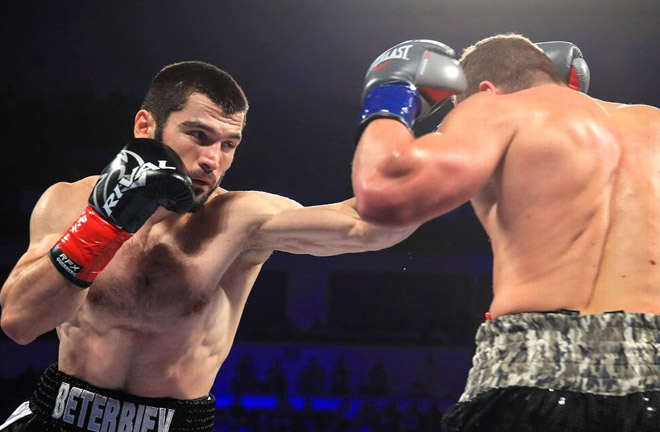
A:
{"x": 609, "y": 354}
{"x": 67, "y": 403}
{"x": 606, "y": 327}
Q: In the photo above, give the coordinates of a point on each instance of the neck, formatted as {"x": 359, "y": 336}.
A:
{"x": 159, "y": 215}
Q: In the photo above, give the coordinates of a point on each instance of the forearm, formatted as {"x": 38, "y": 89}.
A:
{"x": 324, "y": 230}
{"x": 36, "y": 298}
{"x": 383, "y": 170}
{"x": 362, "y": 236}
{"x": 382, "y": 151}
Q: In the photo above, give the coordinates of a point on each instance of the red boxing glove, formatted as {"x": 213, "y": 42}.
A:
{"x": 146, "y": 174}
{"x": 87, "y": 247}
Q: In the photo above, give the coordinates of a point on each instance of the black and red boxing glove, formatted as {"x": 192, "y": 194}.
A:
{"x": 144, "y": 175}
{"x": 570, "y": 63}
{"x": 410, "y": 81}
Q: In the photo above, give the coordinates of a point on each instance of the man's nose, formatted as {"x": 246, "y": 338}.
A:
{"x": 210, "y": 158}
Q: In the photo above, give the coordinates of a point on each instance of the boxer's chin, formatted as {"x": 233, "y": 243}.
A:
{"x": 201, "y": 197}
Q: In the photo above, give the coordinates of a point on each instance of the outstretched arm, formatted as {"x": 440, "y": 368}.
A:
{"x": 322, "y": 230}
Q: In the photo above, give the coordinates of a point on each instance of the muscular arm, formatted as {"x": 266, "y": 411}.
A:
{"x": 36, "y": 298}
{"x": 323, "y": 230}
{"x": 399, "y": 180}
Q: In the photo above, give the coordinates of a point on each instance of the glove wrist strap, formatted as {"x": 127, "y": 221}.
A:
{"x": 400, "y": 101}
{"x": 87, "y": 247}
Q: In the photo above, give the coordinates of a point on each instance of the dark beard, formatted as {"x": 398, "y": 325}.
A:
{"x": 158, "y": 133}
{"x": 199, "y": 202}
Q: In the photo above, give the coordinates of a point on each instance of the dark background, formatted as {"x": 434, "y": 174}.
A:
{"x": 73, "y": 75}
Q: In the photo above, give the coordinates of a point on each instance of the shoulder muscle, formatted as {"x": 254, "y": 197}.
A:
{"x": 57, "y": 208}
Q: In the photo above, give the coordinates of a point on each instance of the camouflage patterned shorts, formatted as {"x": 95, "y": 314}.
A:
{"x": 613, "y": 354}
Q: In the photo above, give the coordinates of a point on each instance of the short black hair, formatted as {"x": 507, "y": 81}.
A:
{"x": 174, "y": 83}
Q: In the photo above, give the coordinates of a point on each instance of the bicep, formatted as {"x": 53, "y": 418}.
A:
{"x": 465, "y": 153}
{"x": 52, "y": 215}
{"x": 46, "y": 227}
{"x": 461, "y": 157}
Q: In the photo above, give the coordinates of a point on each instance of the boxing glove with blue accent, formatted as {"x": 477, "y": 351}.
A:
{"x": 410, "y": 81}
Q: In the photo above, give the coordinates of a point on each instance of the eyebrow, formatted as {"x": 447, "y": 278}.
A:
{"x": 209, "y": 129}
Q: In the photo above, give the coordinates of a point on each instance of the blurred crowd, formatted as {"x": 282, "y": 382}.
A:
{"x": 371, "y": 415}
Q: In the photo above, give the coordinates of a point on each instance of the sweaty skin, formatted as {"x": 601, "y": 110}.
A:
{"x": 160, "y": 319}
{"x": 567, "y": 188}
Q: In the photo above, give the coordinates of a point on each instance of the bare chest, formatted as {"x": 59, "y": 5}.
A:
{"x": 154, "y": 275}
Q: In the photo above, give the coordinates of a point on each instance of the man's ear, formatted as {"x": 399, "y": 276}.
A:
{"x": 489, "y": 87}
{"x": 145, "y": 125}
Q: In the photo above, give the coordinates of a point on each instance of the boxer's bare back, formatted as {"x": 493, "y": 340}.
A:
{"x": 565, "y": 185}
